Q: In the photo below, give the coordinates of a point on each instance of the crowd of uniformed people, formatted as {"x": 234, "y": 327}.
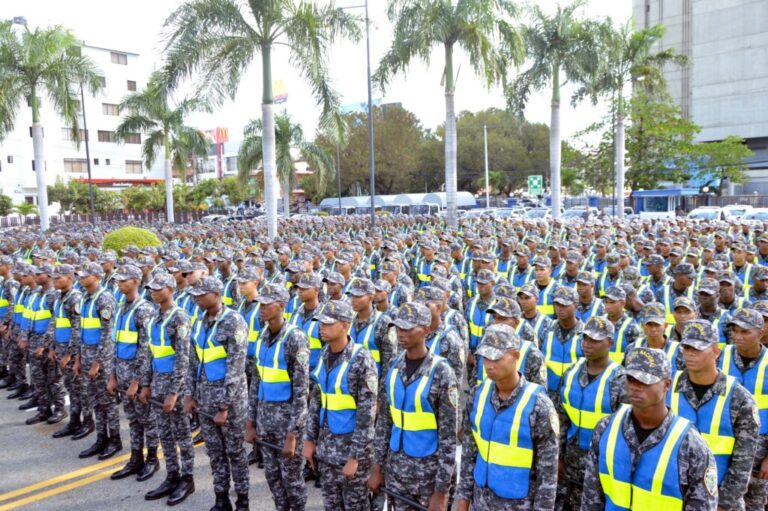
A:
{"x": 503, "y": 365}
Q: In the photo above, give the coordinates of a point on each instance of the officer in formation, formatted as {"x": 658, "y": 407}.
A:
{"x": 582, "y": 302}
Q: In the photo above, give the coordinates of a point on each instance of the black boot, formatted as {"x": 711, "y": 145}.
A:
{"x": 20, "y": 384}
{"x": 185, "y": 488}
{"x": 7, "y": 382}
{"x": 42, "y": 416}
{"x": 32, "y": 403}
{"x": 151, "y": 465}
{"x": 114, "y": 445}
{"x": 254, "y": 456}
{"x": 133, "y": 466}
{"x": 222, "y": 502}
{"x": 101, "y": 443}
{"x": 58, "y": 415}
{"x": 72, "y": 426}
{"x": 85, "y": 429}
{"x": 165, "y": 488}
{"x": 29, "y": 394}
{"x": 241, "y": 504}
{"x": 198, "y": 438}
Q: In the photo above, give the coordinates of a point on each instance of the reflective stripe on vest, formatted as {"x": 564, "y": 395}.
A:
{"x": 252, "y": 319}
{"x": 754, "y": 380}
{"x": 126, "y": 333}
{"x": 212, "y": 355}
{"x": 227, "y": 298}
{"x": 368, "y": 340}
{"x": 545, "y": 304}
{"x": 163, "y": 354}
{"x": 654, "y": 483}
{"x": 585, "y": 406}
{"x": 310, "y": 327}
{"x": 620, "y": 342}
{"x": 41, "y": 315}
{"x": 275, "y": 384}
{"x": 338, "y": 408}
{"x": 559, "y": 356}
{"x": 63, "y": 326}
{"x": 477, "y": 320}
{"x": 90, "y": 323}
{"x": 669, "y": 301}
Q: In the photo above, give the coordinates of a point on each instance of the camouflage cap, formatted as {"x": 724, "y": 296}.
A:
{"x": 295, "y": 267}
{"x": 44, "y": 269}
{"x": 361, "y": 287}
{"x": 506, "y": 307}
{"x": 344, "y": 258}
{"x": 585, "y": 277}
{"x": 654, "y": 312}
{"x": 648, "y": 365}
{"x": 388, "y": 267}
{"x": 162, "y": 281}
{"x": 598, "y": 328}
{"x": 615, "y": 293}
{"x": 730, "y": 277}
{"x": 529, "y": 289}
{"x": 653, "y": 259}
{"x": 612, "y": 260}
{"x": 185, "y": 266}
{"x": 573, "y": 256}
{"x": 335, "y": 311}
{"x": 89, "y": 269}
{"x": 131, "y": 249}
{"x": 6, "y": 260}
{"x": 108, "y": 257}
{"x": 273, "y": 292}
{"x": 411, "y": 315}
{"x": 335, "y": 277}
{"x": 565, "y": 296}
{"x": 760, "y": 273}
{"x": 497, "y": 340}
{"x": 542, "y": 261}
{"x": 284, "y": 250}
{"x": 693, "y": 252}
{"x": 248, "y": 274}
{"x": 485, "y": 256}
{"x": 699, "y": 334}
{"x": 684, "y": 269}
{"x": 676, "y": 251}
{"x": 146, "y": 261}
{"x": 382, "y": 285}
{"x": 485, "y": 276}
{"x": 310, "y": 279}
{"x": 63, "y": 270}
{"x": 709, "y": 286}
{"x": 523, "y": 251}
{"x": 129, "y": 272}
{"x": 761, "y": 306}
{"x": 684, "y": 301}
{"x": 428, "y": 243}
{"x": 630, "y": 273}
{"x": 207, "y": 285}
{"x": 748, "y": 319}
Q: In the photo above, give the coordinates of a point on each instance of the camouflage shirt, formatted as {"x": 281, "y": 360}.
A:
{"x": 71, "y": 310}
{"x": 143, "y": 311}
{"x": 177, "y": 335}
{"x": 104, "y": 352}
{"x": 9, "y": 289}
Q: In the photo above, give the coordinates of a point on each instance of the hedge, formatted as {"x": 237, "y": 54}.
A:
{"x": 120, "y": 239}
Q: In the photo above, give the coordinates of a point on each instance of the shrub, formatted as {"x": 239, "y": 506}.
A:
{"x": 120, "y": 239}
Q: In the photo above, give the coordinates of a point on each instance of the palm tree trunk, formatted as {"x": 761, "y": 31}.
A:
{"x": 287, "y": 195}
{"x": 554, "y": 143}
{"x": 268, "y": 143}
{"x": 619, "y": 160}
{"x": 168, "y": 175}
{"x": 450, "y": 140}
{"x": 37, "y": 148}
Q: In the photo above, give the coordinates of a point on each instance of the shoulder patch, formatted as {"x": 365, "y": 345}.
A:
{"x": 302, "y": 356}
{"x": 710, "y": 480}
{"x": 554, "y": 421}
{"x": 453, "y": 397}
{"x": 371, "y": 383}
{"x": 756, "y": 415}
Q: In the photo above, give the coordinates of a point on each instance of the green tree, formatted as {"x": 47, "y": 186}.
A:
{"x": 6, "y": 204}
{"x": 723, "y": 160}
{"x": 152, "y": 112}
{"x": 560, "y": 50}
{"x": 136, "y": 198}
{"x": 231, "y": 187}
{"x": 107, "y": 202}
{"x": 42, "y": 63}
{"x": 477, "y": 26}
{"x": 26, "y": 209}
{"x": 289, "y": 140}
{"x": 220, "y": 38}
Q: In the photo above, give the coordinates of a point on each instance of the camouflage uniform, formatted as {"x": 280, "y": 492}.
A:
{"x": 543, "y": 423}
{"x": 697, "y": 472}
{"x": 17, "y": 359}
{"x": 8, "y": 290}
{"x": 45, "y": 375}
{"x": 414, "y": 477}
{"x": 274, "y": 419}
{"x": 223, "y": 444}
{"x": 73, "y": 383}
{"x": 333, "y": 450}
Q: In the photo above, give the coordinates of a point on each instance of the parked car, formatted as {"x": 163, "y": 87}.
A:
{"x": 736, "y": 210}
{"x": 539, "y": 214}
{"x": 610, "y": 211}
{"x": 756, "y": 214}
{"x": 212, "y": 219}
{"x": 707, "y": 213}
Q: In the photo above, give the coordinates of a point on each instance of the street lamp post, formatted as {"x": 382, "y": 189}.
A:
{"x": 87, "y": 156}
{"x": 485, "y": 144}
{"x": 338, "y": 173}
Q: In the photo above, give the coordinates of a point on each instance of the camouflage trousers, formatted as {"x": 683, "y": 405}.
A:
{"x": 757, "y": 493}
{"x": 105, "y": 406}
{"x": 569, "y": 487}
{"x": 46, "y": 380}
{"x": 75, "y": 387}
{"x": 226, "y": 451}
{"x": 17, "y": 360}
{"x": 173, "y": 429}
{"x": 340, "y": 494}
{"x": 5, "y": 342}
{"x": 140, "y": 423}
{"x": 285, "y": 476}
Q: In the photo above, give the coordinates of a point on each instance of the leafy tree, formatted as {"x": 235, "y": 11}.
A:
{"x": 42, "y": 63}
{"x": 723, "y": 160}
{"x": 107, "y": 202}
{"x": 230, "y": 186}
{"x": 26, "y": 209}
{"x": 560, "y": 49}
{"x": 219, "y": 38}
{"x": 6, "y": 204}
{"x": 136, "y": 198}
{"x": 477, "y": 26}
{"x": 152, "y": 111}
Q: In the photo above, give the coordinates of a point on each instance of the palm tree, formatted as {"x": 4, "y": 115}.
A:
{"x": 190, "y": 145}
{"x": 288, "y": 137}
{"x": 220, "y": 38}
{"x": 627, "y": 56}
{"x": 474, "y": 25}
{"x": 557, "y": 45}
{"x": 42, "y": 63}
{"x": 152, "y": 112}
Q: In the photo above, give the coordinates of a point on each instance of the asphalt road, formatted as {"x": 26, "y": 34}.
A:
{"x": 41, "y": 473}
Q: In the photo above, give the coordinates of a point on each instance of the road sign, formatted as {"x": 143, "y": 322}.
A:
{"x": 535, "y": 185}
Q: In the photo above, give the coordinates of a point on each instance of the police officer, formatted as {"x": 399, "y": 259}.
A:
{"x": 416, "y": 431}
{"x": 509, "y": 461}
{"x": 216, "y": 386}
{"x": 162, "y": 381}
{"x": 308, "y": 291}
{"x": 277, "y": 410}
{"x": 370, "y": 328}
{"x": 594, "y": 388}
{"x": 131, "y": 355}
{"x": 562, "y": 342}
{"x": 477, "y": 311}
{"x": 9, "y": 288}
{"x": 443, "y": 339}
{"x": 527, "y": 298}
{"x": 644, "y": 444}
{"x": 626, "y": 330}
{"x": 720, "y": 408}
{"x": 342, "y": 410}
{"x": 589, "y": 305}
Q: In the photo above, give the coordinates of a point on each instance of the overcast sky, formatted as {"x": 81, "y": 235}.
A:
{"x": 135, "y": 25}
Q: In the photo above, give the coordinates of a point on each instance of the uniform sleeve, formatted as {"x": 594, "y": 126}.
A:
{"x": 106, "y": 307}
{"x": 182, "y": 346}
{"x": 11, "y": 289}
{"x": 746, "y": 428}
{"x": 536, "y": 368}
{"x": 444, "y": 398}
{"x": 49, "y": 332}
{"x": 73, "y": 312}
{"x": 190, "y": 384}
{"x": 143, "y": 316}
{"x": 453, "y": 351}
{"x": 297, "y": 358}
{"x": 386, "y": 339}
{"x": 236, "y": 351}
{"x": 546, "y": 446}
{"x": 383, "y": 422}
{"x": 618, "y": 389}
{"x": 468, "y": 453}
{"x": 593, "y": 497}
{"x": 313, "y": 413}
{"x": 363, "y": 383}
{"x": 695, "y": 462}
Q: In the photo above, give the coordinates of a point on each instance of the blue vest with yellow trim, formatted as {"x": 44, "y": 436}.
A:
{"x": 338, "y": 408}
{"x": 586, "y": 406}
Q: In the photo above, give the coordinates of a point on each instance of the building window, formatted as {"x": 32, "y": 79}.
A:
{"x": 95, "y": 161}
{"x": 75, "y": 165}
{"x": 9, "y": 159}
{"x": 133, "y": 138}
{"x": 133, "y": 167}
{"x": 102, "y": 81}
{"x": 132, "y": 85}
{"x": 106, "y": 136}
{"x": 107, "y": 161}
{"x": 29, "y": 199}
{"x": 119, "y": 58}
{"x": 66, "y": 135}
{"x": 110, "y": 109}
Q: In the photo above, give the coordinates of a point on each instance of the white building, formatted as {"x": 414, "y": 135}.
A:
{"x": 112, "y": 165}
{"x": 723, "y": 87}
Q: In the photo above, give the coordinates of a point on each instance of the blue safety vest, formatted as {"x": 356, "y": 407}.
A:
{"x": 338, "y": 408}
{"x": 477, "y": 320}
{"x": 754, "y": 380}
{"x": 275, "y": 384}
{"x": 367, "y": 338}
{"x": 586, "y": 406}
{"x": 211, "y": 354}
{"x": 126, "y": 333}
{"x": 90, "y": 322}
{"x": 62, "y": 332}
{"x": 40, "y": 314}
{"x": 311, "y": 327}
{"x": 163, "y": 354}
{"x": 560, "y": 356}
{"x": 254, "y": 326}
